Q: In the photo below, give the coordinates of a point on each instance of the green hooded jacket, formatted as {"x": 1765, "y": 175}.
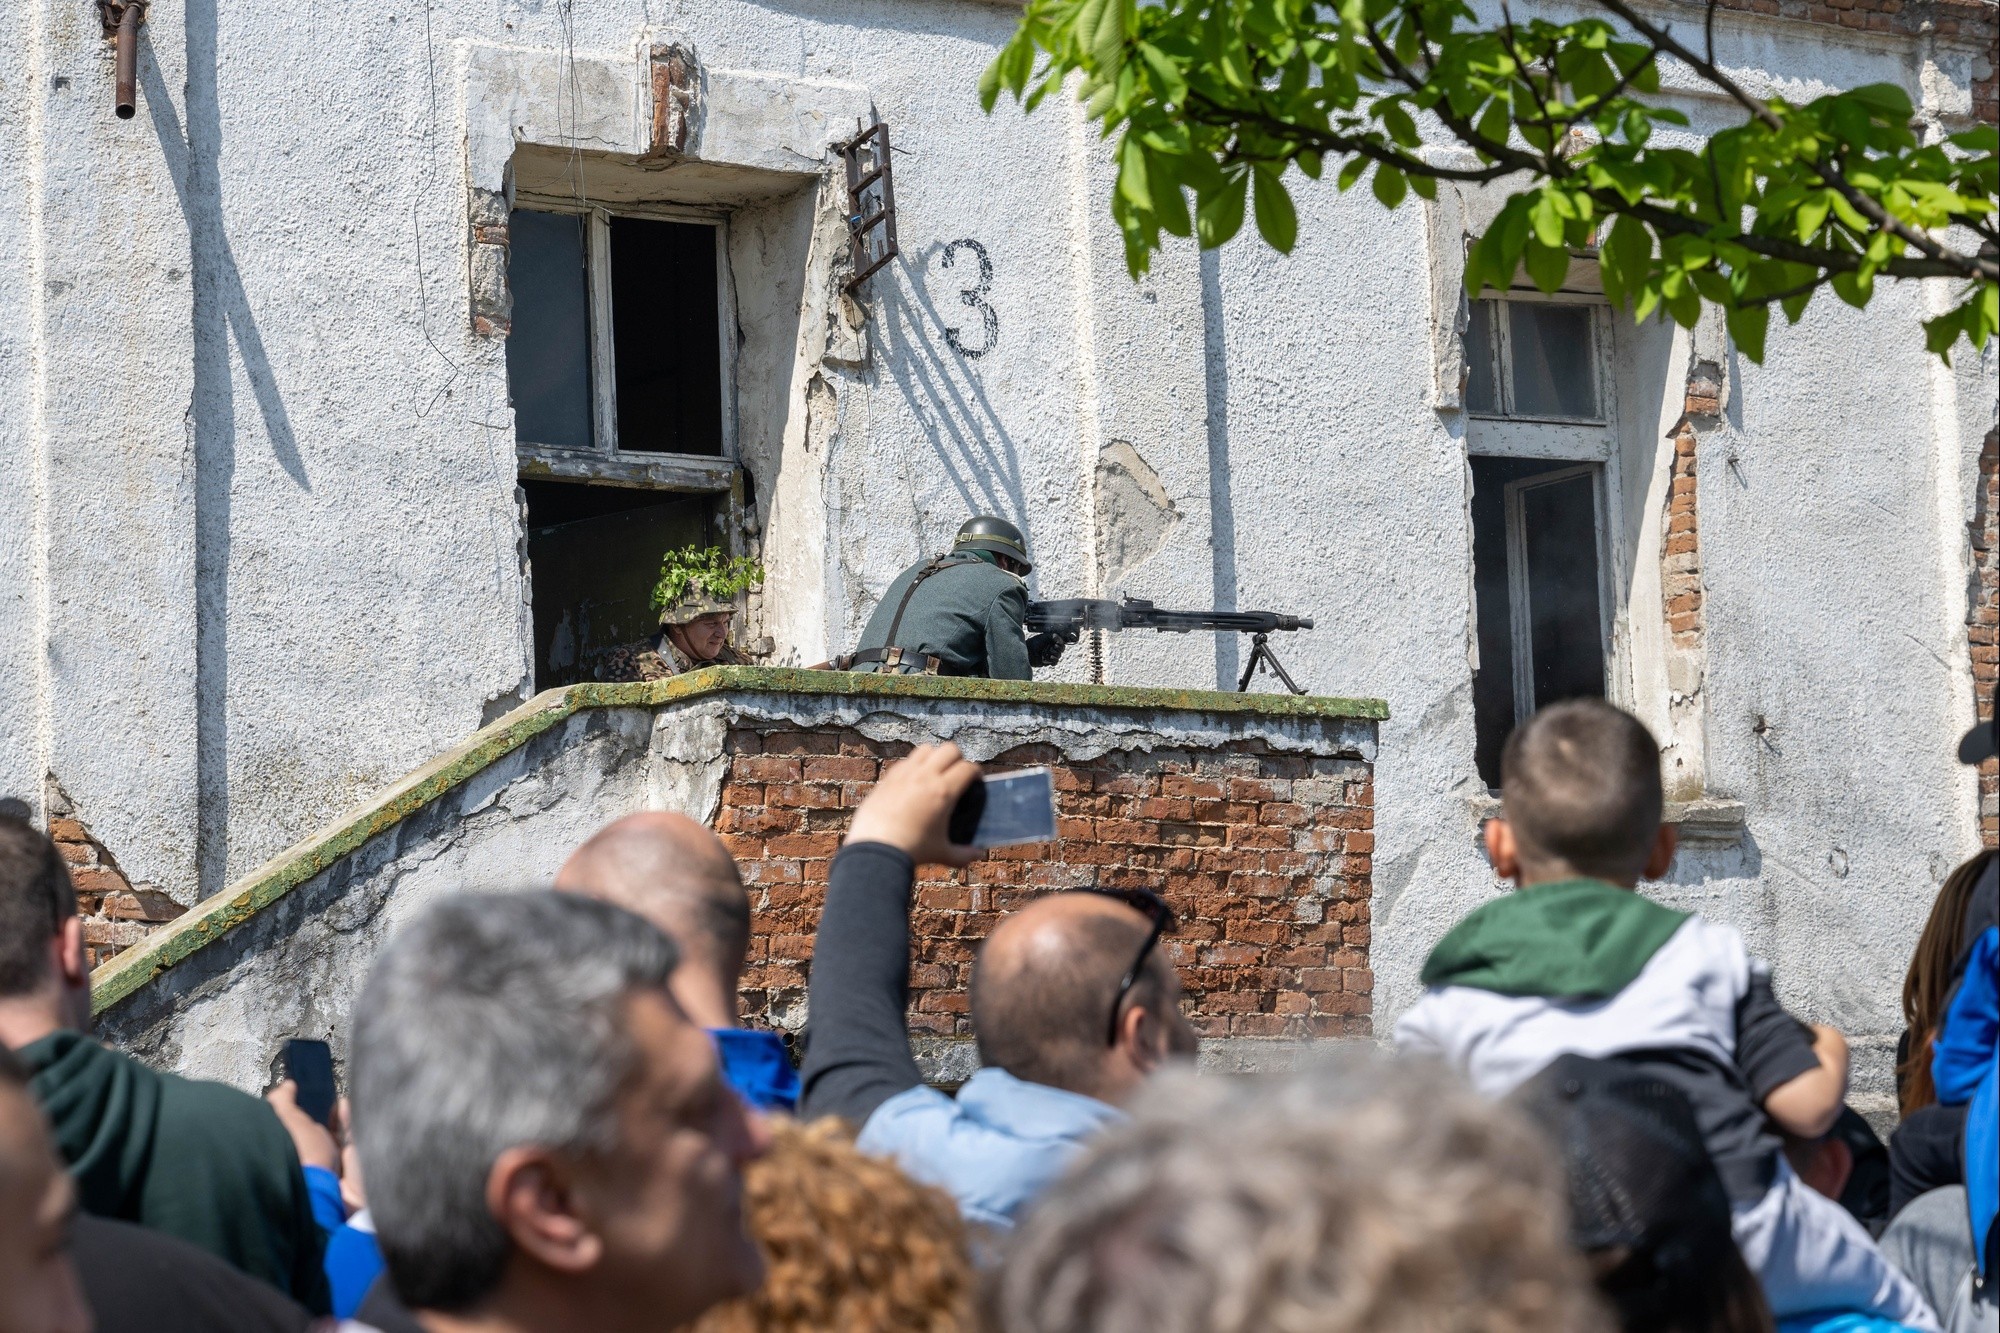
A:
{"x": 1575, "y": 939}
{"x": 201, "y": 1161}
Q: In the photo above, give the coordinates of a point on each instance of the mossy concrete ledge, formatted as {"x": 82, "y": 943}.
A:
{"x": 562, "y": 764}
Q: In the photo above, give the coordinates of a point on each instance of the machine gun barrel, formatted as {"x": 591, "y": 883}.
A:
{"x": 1075, "y": 615}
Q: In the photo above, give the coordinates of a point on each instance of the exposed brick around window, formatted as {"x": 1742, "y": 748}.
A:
{"x": 1680, "y": 570}
{"x": 1982, "y": 621}
{"x": 115, "y": 914}
{"x": 1265, "y": 857}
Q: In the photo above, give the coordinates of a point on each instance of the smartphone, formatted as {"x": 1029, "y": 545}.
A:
{"x": 1006, "y": 808}
{"x": 309, "y": 1064}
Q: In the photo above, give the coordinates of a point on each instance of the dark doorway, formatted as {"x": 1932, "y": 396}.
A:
{"x": 1538, "y": 590}
{"x": 594, "y": 554}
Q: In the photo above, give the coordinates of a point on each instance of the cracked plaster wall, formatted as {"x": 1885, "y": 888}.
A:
{"x": 295, "y": 967}
{"x": 241, "y": 343}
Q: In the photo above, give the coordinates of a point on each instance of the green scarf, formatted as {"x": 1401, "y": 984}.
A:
{"x": 1575, "y": 939}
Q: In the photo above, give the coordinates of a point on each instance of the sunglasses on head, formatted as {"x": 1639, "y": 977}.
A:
{"x": 1154, "y": 908}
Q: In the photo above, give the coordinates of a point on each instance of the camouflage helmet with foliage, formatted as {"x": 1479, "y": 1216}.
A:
{"x": 702, "y": 581}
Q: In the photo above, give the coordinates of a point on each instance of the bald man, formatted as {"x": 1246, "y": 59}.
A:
{"x": 675, "y": 873}
{"x": 1063, "y": 1036}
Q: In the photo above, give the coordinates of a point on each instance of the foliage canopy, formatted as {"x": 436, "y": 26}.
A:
{"x": 1213, "y": 101}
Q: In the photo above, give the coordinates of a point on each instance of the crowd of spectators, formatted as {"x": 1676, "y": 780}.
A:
{"x": 1598, "y": 1117}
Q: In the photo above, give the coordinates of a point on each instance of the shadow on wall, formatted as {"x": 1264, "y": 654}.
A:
{"x": 221, "y": 316}
{"x": 973, "y": 449}
{"x": 1221, "y": 506}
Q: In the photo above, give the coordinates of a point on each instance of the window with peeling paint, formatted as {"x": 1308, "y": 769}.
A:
{"x": 1532, "y": 359}
{"x": 618, "y": 339}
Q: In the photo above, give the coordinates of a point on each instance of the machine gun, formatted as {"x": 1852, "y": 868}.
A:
{"x": 1067, "y": 620}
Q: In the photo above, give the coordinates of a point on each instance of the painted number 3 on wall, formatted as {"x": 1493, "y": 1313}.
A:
{"x": 975, "y": 297}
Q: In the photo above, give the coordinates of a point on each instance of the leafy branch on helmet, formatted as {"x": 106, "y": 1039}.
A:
{"x": 1219, "y": 98}
{"x": 707, "y": 572}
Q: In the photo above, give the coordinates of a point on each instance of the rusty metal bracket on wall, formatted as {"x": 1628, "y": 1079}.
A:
{"x": 121, "y": 23}
{"x": 870, "y": 186}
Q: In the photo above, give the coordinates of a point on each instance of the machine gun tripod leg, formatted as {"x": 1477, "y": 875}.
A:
{"x": 1262, "y": 656}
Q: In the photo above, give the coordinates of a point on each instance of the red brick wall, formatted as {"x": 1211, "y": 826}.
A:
{"x": 1266, "y": 857}
{"x": 115, "y": 915}
{"x": 1983, "y": 622}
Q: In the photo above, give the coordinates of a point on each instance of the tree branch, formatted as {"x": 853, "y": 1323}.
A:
{"x": 1968, "y": 266}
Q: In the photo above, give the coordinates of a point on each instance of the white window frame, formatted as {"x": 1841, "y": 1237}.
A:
{"x": 1503, "y": 354}
{"x": 603, "y": 460}
{"x": 1594, "y": 443}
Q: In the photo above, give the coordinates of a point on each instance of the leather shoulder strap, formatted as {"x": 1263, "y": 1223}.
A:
{"x": 896, "y": 621}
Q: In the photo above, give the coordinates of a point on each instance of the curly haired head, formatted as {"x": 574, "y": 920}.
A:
{"x": 850, "y": 1242}
{"x": 1368, "y": 1196}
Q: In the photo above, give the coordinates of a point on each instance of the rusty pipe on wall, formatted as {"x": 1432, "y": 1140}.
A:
{"x": 121, "y": 23}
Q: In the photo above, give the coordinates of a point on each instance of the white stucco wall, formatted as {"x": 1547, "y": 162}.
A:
{"x": 269, "y": 470}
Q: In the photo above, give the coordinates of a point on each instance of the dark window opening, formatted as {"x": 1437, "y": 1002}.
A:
{"x": 617, "y": 333}
{"x": 548, "y": 350}
{"x": 1538, "y": 592}
{"x": 665, "y": 333}
{"x": 1531, "y": 359}
{"x": 593, "y": 556}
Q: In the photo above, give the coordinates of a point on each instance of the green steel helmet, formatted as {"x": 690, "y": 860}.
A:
{"x": 987, "y": 533}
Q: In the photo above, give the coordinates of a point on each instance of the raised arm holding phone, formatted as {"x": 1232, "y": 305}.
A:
{"x": 1072, "y": 1004}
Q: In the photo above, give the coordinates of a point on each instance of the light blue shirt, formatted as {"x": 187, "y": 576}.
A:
{"x": 994, "y": 1147}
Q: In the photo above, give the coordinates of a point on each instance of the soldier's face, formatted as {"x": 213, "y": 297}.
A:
{"x": 704, "y": 636}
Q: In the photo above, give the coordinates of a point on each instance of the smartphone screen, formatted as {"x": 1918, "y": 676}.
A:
{"x": 1006, "y": 808}
{"x": 309, "y": 1064}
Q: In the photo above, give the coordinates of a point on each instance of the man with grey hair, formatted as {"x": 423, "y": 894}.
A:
{"x": 547, "y": 1140}
{"x": 1364, "y": 1196}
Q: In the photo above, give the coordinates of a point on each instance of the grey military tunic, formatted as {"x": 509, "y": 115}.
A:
{"x": 970, "y": 615}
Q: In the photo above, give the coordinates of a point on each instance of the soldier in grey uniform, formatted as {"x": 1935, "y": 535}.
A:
{"x": 963, "y": 613}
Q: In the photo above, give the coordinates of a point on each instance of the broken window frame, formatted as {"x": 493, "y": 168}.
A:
{"x": 1592, "y": 443}
{"x": 1502, "y": 352}
{"x": 604, "y": 461}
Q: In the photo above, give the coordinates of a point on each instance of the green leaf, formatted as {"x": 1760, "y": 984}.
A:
{"x": 1854, "y": 288}
{"x": 1350, "y": 172}
{"x": 1277, "y": 221}
{"x": 1685, "y": 308}
{"x": 1106, "y": 35}
{"x": 1886, "y": 100}
{"x": 1166, "y": 75}
{"x": 1390, "y": 185}
{"x": 1547, "y": 265}
{"x": 1626, "y": 255}
{"x": 1218, "y": 214}
{"x": 1134, "y": 179}
{"x": 1398, "y": 123}
{"x": 989, "y": 82}
{"x": 1747, "y": 325}
{"x": 1811, "y": 215}
{"x": 1425, "y": 187}
{"x": 1544, "y": 218}
{"x": 1942, "y": 332}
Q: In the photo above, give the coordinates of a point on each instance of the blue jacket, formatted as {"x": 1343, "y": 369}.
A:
{"x": 1965, "y": 1065}
{"x": 1000, "y": 1143}
{"x": 754, "y": 1063}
